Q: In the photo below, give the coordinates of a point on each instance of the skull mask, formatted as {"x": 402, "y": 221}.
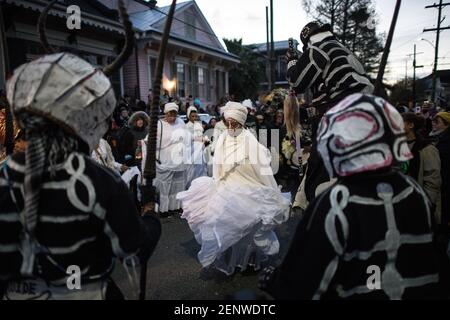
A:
{"x": 362, "y": 133}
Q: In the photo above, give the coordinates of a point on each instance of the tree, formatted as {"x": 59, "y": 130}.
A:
{"x": 246, "y": 76}
{"x": 354, "y": 23}
{"x": 401, "y": 93}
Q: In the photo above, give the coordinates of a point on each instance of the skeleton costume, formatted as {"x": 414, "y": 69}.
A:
{"x": 234, "y": 213}
{"x": 369, "y": 235}
{"x": 332, "y": 72}
{"x": 58, "y": 207}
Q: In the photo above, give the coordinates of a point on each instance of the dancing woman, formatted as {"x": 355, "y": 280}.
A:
{"x": 234, "y": 213}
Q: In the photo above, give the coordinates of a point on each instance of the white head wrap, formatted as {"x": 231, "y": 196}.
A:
{"x": 171, "y": 106}
{"x": 236, "y": 111}
{"x": 221, "y": 110}
{"x": 189, "y": 110}
{"x": 247, "y": 103}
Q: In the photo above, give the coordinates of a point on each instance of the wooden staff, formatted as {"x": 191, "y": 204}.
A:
{"x": 148, "y": 191}
{"x": 379, "y": 82}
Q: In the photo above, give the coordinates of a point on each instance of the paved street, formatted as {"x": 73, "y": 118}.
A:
{"x": 174, "y": 271}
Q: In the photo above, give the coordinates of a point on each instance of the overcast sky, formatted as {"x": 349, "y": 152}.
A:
{"x": 246, "y": 19}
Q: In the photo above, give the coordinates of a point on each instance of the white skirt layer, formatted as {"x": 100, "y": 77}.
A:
{"x": 235, "y": 216}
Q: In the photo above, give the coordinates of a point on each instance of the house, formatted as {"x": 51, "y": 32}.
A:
{"x": 442, "y": 96}
{"x": 280, "y": 48}
{"x": 196, "y": 62}
{"x": 98, "y": 40}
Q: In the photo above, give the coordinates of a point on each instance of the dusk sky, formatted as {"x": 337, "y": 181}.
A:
{"x": 246, "y": 19}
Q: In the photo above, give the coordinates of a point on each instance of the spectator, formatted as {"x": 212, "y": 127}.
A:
{"x": 425, "y": 166}
{"x": 123, "y": 117}
{"x": 138, "y": 129}
{"x": 441, "y": 132}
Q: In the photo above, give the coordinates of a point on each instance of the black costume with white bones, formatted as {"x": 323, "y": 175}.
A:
{"x": 372, "y": 218}
{"x": 58, "y": 208}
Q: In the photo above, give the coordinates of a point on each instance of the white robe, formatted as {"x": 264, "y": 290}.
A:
{"x": 197, "y": 167}
{"x": 173, "y": 152}
{"x": 238, "y": 208}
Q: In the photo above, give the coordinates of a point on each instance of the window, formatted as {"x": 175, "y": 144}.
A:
{"x": 208, "y": 85}
{"x": 281, "y": 68}
{"x": 220, "y": 84}
{"x": 193, "y": 81}
{"x": 181, "y": 81}
{"x": 152, "y": 70}
{"x": 201, "y": 83}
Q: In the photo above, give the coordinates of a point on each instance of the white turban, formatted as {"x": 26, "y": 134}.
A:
{"x": 171, "y": 106}
{"x": 247, "y": 103}
{"x": 236, "y": 111}
{"x": 189, "y": 110}
{"x": 221, "y": 110}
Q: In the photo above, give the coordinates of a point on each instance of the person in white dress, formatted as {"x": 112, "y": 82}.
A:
{"x": 172, "y": 153}
{"x": 197, "y": 167}
{"x": 234, "y": 213}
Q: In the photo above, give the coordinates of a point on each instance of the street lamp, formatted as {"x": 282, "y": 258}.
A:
{"x": 422, "y": 39}
{"x": 433, "y": 89}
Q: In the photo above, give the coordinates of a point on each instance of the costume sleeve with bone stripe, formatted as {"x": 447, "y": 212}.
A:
{"x": 309, "y": 267}
{"x": 304, "y": 72}
{"x": 129, "y": 233}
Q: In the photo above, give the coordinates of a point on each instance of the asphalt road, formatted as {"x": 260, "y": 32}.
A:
{"x": 173, "y": 272}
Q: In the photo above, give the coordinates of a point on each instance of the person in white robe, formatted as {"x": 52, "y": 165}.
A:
{"x": 234, "y": 213}
{"x": 197, "y": 166}
{"x": 172, "y": 153}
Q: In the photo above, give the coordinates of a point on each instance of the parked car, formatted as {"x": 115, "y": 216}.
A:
{"x": 206, "y": 117}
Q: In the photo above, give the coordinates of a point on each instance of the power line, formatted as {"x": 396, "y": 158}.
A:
{"x": 188, "y": 24}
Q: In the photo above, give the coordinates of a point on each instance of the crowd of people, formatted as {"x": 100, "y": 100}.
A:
{"x": 374, "y": 183}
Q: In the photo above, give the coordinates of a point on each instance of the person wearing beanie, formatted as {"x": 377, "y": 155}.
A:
{"x": 234, "y": 213}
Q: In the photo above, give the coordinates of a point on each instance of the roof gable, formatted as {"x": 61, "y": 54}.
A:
{"x": 152, "y": 19}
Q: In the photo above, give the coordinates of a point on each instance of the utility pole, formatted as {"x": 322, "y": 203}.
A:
{"x": 268, "y": 53}
{"x": 415, "y": 66}
{"x": 436, "y": 50}
{"x": 406, "y": 73}
{"x": 272, "y": 47}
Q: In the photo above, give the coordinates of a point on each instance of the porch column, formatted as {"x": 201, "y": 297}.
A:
{"x": 226, "y": 83}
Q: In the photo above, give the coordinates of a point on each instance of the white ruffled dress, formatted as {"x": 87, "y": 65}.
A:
{"x": 234, "y": 213}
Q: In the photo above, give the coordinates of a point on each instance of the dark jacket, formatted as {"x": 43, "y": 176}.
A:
{"x": 129, "y": 140}
{"x": 443, "y": 146}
